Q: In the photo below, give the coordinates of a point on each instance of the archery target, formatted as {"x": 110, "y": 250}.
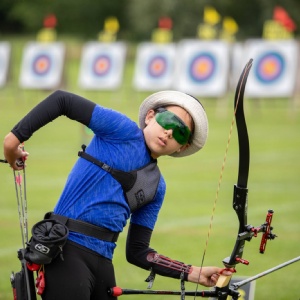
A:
{"x": 203, "y": 68}
{"x": 274, "y": 68}
{"x": 270, "y": 67}
{"x": 154, "y": 68}
{"x": 157, "y": 66}
{"x": 42, "y": 65}
{"x": 4, "y": 62}
{"x": 102, "y": 65}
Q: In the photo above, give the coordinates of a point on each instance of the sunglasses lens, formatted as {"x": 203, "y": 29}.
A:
{"x": 168, "y": 120}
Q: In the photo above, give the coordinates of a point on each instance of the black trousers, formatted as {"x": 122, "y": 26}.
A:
{"x": 83, "y": 275}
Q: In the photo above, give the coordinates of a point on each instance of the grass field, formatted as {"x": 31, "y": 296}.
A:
{"x": 181, "y": 231}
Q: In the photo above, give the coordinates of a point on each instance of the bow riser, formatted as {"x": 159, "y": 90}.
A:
{"x": 240, "y": 205}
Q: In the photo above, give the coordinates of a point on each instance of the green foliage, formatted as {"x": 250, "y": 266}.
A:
{"x": 182, "y": 227}
{"x": 85, "y": 18}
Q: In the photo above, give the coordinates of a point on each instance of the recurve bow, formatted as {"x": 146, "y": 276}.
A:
{"x": 240, "y": 196}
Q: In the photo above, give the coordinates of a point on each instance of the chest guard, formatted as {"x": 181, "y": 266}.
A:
{"x": 139, "y": 186}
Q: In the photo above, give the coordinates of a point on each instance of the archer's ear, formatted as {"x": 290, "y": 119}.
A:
{"x": 184, "y": 147}
{"x": 149, "y": 116}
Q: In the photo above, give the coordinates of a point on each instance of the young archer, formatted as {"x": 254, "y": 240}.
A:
{"x": 96, "y": 195}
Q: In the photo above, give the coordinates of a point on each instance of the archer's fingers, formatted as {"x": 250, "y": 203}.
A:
{"x": 19, "y": 164}
{"x": 227, "y": 271}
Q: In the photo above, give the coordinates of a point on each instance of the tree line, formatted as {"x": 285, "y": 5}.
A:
{"x": 138, "y": 18}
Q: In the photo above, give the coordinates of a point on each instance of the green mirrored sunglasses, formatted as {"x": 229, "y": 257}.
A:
{"x": 168, "y": 120}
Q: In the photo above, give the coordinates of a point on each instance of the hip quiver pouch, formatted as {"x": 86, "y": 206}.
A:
{"x": 47, "y": 241}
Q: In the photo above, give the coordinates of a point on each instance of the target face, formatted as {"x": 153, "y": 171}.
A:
{"x": 101, "y": 65}
{"x": 41, "y": 65}
{"x": 202, "y": 67}
{"x": 157, "y": 66}
{"x": 274, "y": 70}
{"x": 270, "y": 67}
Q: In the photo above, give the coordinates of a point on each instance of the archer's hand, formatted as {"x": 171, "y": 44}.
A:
{"x": 13, "y": 152}
{"x": 208, "y": 275}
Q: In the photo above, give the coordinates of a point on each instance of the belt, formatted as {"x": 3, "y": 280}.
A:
{"x": 85, "y": 228}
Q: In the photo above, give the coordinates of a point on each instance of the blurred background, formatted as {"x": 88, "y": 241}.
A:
{"x": 137, "y": 19}
{"x": 118, "y": 52}
{"x": 192, "y": 46}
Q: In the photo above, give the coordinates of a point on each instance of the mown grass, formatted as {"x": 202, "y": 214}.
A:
{"x": 182, "y": 228}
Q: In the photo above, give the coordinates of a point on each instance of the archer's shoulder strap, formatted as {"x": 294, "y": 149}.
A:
{"x": 139, "y": 185}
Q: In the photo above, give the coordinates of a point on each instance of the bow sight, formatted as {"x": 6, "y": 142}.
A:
{"x": 246, "y": 235}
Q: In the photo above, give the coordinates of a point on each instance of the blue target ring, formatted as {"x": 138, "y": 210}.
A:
{"x": 41, "y": 65}
{"x": 270, "y": 67}
{"x": 202, "y": 68}
{"x": 157, "y": 66}
{"x": 101, "y": 65}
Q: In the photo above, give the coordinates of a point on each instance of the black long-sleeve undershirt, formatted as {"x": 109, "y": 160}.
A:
{"x": 137, "y": 249}
{"x": 57, "y": 104}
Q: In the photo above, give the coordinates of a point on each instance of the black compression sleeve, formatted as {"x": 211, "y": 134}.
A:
{"x": 137, "y": 250}
{"x": 57, "y": 104}
{"x": 137, "y": 246}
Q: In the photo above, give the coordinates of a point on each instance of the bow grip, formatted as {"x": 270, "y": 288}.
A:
{"x": 240, "y": 205}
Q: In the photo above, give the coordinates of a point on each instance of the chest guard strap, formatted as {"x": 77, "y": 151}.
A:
{"x": 139, "y": 186}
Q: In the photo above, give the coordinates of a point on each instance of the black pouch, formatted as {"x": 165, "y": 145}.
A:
{"x": 47, "y": 241}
